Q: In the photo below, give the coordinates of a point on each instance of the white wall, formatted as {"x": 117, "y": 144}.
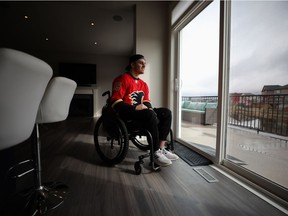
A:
{"x": 152, "y": 34}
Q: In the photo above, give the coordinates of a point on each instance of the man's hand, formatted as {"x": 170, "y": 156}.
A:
{"x": 140, "y": 107}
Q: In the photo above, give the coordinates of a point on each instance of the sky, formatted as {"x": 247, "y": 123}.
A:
{"x": 259, "y": 48}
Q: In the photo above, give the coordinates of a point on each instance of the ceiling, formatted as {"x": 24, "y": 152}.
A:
{"x": 66, "y": 26}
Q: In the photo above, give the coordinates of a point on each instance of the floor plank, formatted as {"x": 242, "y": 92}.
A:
{"x": 68, "y": 155}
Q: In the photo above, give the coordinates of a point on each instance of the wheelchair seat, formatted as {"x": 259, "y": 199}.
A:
{"x": 112, "y": 135}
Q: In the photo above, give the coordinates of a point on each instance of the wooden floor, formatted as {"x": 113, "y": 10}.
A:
{"x": 69, "y": 156}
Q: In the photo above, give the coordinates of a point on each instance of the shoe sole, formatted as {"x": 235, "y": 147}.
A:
{"x": 163, "y": 165}
{"x": 172, "y": 158}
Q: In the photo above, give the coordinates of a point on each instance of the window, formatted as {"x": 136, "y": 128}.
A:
{"x": 257, "y": 124}
{"x": 252, "y": 135}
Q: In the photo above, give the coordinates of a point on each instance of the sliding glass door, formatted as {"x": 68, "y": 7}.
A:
{"x": 251, "y": 95}
{"x": 199, "y": 57}
{"x": 257, "y": 133}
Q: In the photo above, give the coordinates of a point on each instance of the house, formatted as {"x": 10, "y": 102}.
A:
{"x": 274, "y": 89}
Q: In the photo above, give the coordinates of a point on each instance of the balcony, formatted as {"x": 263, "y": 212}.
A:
{"x": 256, "y": 134}
{"x": 265, "y": 113}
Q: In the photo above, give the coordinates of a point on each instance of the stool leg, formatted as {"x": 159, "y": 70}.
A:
{"x": 48, "y": 196}
{"x": 40, "y": 199}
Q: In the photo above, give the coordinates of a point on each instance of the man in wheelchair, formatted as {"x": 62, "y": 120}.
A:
{"x": 130, "y": 99}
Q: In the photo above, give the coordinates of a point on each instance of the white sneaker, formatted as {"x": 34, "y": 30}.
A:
{"x": 160, "y": 159}
{"x": 169, "y": 155}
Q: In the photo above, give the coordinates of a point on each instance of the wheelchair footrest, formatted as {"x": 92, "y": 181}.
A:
{"x": 154, "y": 166}
{"x": 141, "y": 157}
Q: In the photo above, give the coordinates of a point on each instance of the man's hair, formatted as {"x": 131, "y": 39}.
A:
{"x": 132, "y": 59}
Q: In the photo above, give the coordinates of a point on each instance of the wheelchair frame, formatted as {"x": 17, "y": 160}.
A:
{"x": 112, "y": 135}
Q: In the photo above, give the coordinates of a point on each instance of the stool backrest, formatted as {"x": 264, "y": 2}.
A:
{"x": 56, "y": 101}
{"x": 23, "y": 80}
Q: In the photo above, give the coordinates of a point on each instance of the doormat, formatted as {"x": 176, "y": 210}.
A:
{"x": 190, "y": 156}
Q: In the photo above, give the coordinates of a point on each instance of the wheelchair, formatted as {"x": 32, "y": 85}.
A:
{"x": 112, "y": 136}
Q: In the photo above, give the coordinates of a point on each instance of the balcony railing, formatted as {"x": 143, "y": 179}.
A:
{"x": 209, "y": 99}
{"x": 266, "y": 113}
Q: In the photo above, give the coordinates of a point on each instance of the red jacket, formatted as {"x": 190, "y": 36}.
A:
{"x": 128, "y": 92}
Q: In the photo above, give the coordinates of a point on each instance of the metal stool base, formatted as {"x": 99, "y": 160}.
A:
{"x": 35, "y": 202}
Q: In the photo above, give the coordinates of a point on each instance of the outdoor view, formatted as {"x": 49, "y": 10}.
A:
{"x": 199, "y": 79}
{"x": 259, "y": 88}
{"x": 257, "y": 133}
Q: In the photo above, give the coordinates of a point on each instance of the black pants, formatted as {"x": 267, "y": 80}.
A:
{"x": 156, "y": 121}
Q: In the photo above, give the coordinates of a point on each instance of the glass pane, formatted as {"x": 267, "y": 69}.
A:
{"x": 199, "y": 56}
{"x": 258, "y": 112}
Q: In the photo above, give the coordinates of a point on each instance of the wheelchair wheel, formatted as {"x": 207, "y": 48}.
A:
{"x": 140, "y": 141}
{"x": 111, "y": 140}
{"x": 138, "y": 168}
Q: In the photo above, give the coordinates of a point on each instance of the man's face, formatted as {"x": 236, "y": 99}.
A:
{"x": 139, "y": 66}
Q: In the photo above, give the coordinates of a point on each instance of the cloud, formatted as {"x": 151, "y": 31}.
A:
{"x": 259, "y": 46}
{"x": 258, "y": 55}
